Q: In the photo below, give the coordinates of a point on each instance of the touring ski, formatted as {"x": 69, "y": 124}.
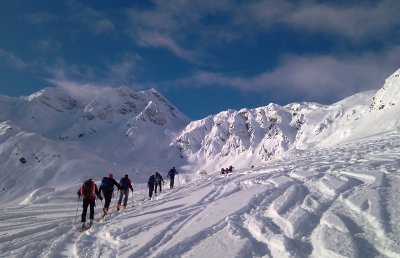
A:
{"x": 84, "y": 229}
{"x": 101, "y": 218}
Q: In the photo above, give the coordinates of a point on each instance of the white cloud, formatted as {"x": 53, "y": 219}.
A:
{"x": 187, "y": 28}
{"x": 158, "y": 40}
{"x": 353, "y": 21}
{"x": 96, "y": 21}
{"x": 61, "y": 71}
{"x": 123, "y": 71}
{"x": 178, "y": 26}
{"x": 102, "y": 26}
{"x": 46, "y": 46}
{"x": 83, "y": 91}
{"x": 41, "y": 18}
{"x": 314, "y": 77}
{"x": 12, "y": 60}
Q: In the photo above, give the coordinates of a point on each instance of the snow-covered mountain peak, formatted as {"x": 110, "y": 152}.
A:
{"x": 34, "y": 95}
{"x": 164, "y": 105}
{"x": 388, "y": 96}
{"x": 241, "y": 136}
{"x": 46, "y": 112}
{"x": 153, "y": 114}
{"x": 124, "y": 103}
{"x": 112, "y": 102}
{"x": 54, "y": 98}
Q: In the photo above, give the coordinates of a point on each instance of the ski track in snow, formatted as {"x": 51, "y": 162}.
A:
{"x": 336, "y": 202}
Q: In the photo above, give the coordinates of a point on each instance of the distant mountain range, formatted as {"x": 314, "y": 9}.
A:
{"x": 251, "y": 136}
{"x": 66, "y": 135}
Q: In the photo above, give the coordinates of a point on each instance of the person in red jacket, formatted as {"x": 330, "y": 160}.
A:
{"x": 88, "y": 191}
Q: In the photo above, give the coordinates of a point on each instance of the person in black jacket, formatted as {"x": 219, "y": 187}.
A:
{"x": 150, "y": 184}
{"x": 125, "y": 184}
{"x": 171, "y": 175}
{"x": 107, "y": 187}
{"x": 158, "y": 179}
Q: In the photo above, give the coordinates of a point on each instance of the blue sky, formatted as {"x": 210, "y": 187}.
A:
{"x": 205, "y": 56}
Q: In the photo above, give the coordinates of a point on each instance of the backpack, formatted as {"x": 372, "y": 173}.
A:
{"x": 124, "y": 183}
{"x": 105, "y": 183}
{"x": 152, "y": 180}
{"x": 87, "y": 188}
{"x": 172, "y": 172}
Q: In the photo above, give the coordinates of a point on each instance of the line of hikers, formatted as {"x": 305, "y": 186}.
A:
{"x": 227, "y": 170}
{"x": 156, "y": 179}
{"x": 88, "y": 191}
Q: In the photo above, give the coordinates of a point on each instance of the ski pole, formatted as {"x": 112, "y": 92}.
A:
{"x": 132, "y": 199}
{"x": 77, "y": 207}
{"x": 116, "y": 197}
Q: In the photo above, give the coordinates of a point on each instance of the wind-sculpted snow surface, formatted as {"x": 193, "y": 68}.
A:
{"x": 335, "y": 202}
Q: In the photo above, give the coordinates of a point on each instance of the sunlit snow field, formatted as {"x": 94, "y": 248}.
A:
{"x": 341, "y": 201}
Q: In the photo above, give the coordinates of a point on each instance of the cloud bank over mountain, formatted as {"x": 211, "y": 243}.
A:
{"x": 285, "y": 51}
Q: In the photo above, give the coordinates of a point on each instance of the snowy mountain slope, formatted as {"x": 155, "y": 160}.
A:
{"x": 108, "y": 130}
{"x": 251, "y": 136}
{"x": 47, "y": 112}
{"x": 321, "y": 126}
{"x": 387, "y": 96}
{"x": 132, "y": 124}
{"x": 30, "y": 162}
{"x": 57, "y": 114}
{"x": 340, "y": 201}
{"x": 382, "y": 116}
